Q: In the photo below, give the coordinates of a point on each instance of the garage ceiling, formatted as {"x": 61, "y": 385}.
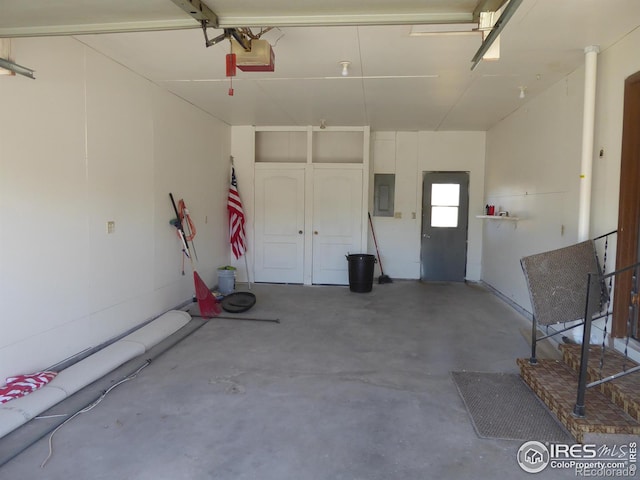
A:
{"x": 397, "y": 81}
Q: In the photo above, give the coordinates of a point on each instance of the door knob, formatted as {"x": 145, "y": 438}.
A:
{"x": 315, "y": 232}
{"x": 300, "y": 232}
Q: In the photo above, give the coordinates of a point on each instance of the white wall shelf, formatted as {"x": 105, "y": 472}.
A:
{"x": 498, "y": 217}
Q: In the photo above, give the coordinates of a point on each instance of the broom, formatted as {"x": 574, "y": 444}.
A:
{"x": 207, "y": 303}
{"x": 382, "y": 278}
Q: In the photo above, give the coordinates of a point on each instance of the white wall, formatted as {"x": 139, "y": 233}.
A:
{"x": 533, "y": 168}
{"x": 408, "y": 155}
{"x": 88, "y": 142}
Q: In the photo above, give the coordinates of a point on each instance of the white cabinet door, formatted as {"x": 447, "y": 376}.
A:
{"x": 279, "y": 225}
{"x": 337, "y": 223}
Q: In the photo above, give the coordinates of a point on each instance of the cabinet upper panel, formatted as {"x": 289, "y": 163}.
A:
{"x": 312, "y": 145}
{"x": 337, "y": 147}
{"x": 284, "y": 147}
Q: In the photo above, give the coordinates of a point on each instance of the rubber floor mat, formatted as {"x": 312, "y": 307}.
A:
{"x": 502, "y": 406}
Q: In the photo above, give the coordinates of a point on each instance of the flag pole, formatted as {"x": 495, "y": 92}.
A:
{"x": 238, "y": 204}
{"x": 246, "y": 265}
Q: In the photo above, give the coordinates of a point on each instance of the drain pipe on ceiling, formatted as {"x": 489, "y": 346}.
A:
{"x": 588, "y": 125}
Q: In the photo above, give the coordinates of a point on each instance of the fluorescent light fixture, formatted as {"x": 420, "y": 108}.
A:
{"x": 443, "y": 29}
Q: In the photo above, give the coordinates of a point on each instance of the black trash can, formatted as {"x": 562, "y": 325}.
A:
{"x": 361, "y": 272}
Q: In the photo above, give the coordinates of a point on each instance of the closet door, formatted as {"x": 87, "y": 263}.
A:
{"x": 279, "y": 225}
{"x": 337, "y": 222}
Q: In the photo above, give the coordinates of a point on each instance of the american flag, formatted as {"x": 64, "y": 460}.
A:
{"x": 236, "y": 218}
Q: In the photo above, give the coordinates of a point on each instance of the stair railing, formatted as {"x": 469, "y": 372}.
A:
{"x": 592, "y": 306}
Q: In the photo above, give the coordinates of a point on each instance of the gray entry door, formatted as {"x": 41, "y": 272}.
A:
{"x": 445, "y": 208}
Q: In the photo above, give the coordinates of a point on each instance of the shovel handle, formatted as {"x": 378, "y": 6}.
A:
{"x": 179, "y": 226}
{"x": 175, "y": 209}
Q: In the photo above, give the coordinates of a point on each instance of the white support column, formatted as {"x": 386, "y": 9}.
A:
{"x": 588, "y": 122}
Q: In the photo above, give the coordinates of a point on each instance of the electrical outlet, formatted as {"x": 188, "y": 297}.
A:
{"x": 111, "y": 226}
{"x": 413, "y": 215}
{"x": 397, "y": 215}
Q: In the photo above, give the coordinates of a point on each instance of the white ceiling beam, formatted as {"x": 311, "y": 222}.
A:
{"x": 198, "y": 11}
{"x": 344, "y": 19}
{"x": 237, "y": 22}
{"x": 114, "y": 27}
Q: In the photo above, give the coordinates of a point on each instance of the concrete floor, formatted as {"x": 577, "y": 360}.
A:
{"x": 348, "y": 386}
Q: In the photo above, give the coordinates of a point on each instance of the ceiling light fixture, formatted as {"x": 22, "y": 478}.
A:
{"x": 522, "y": 92}
{"x": 345, "y": 68}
